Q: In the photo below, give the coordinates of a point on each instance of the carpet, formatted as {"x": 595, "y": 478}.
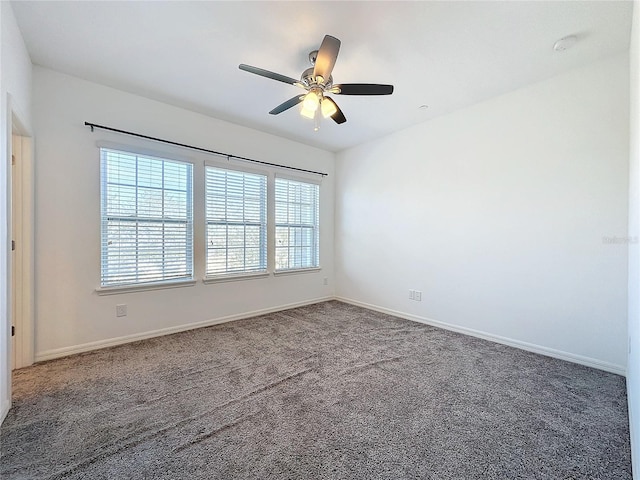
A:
{"x": 326, "y": 391}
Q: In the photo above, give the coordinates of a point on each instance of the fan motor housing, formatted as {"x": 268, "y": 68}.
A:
{"x": 310, "y": 80}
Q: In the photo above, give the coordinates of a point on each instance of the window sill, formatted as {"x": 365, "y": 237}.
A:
{"x": 234, "y": 277}
{"x": 115, "y": 290}
{"x": 294, "y": 271}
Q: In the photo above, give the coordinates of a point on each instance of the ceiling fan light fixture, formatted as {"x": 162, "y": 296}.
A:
{"x": 308, "y": 113}
{"x": 311, "y": 101}
{"x": 328, "y": 108}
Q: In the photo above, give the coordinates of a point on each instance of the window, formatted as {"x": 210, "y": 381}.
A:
{"x": 147, "y": 219}
{"x": 236, "y": 206}
{"x": 297, "y": 236}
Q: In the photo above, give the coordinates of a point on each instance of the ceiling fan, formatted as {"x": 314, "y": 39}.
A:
{"x": 318, "y": 82}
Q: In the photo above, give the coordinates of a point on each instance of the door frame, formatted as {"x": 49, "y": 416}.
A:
{"x": 21, "y": 224}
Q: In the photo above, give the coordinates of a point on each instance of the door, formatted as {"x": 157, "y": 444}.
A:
{"x": 21, "y": 258}
{"x": 13, "y": 207}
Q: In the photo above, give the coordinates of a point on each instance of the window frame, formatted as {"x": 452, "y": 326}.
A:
{"x": 198, "y": 164}
{"x": 264, "y": 225}
{"x": 315, "y": 227}
{"x": 189, "y": 219}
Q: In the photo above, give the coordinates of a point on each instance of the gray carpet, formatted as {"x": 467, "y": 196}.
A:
{"x": 319, "y": 392}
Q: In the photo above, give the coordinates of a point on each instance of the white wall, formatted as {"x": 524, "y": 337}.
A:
{"x": 633, "y": 370}
{"x": 497, "y": 214}
{"x": 70, "y": 316}
{"x": 15, "y": 101}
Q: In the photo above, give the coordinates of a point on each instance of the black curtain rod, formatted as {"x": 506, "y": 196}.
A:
{"x": 206, "y": 150}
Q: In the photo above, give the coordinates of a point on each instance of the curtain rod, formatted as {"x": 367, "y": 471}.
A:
{"x": 200, "y": 149}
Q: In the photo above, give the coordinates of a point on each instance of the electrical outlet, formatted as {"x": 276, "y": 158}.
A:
{"x": 415, "y": 295}
{"x": 121, "y": 310}
{"x": 325, "y": 281}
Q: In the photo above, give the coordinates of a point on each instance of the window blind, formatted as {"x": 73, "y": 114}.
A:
{"x": 236, "y": 211}
{"x": 146, "y": 219}
{"x": 297, "y": 224}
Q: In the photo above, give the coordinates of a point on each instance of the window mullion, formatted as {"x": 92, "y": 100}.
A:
{"x": 244, "y": 227}
{"x": 137, "y": 225}
{"x": 226, "y": 217}
{"x": 164, "y": 238}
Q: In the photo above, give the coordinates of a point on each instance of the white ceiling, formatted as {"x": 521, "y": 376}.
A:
{"x": 446, "y": 55}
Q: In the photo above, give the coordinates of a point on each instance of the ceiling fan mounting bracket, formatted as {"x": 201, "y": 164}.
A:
{"x": 313, "y": 55}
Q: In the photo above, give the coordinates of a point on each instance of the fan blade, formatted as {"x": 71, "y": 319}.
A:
{"x": 364, "y": 89}
{"x": 266, "y": 73}
{"x": 338, "y": 117}
{"x": 292, "y": 102}
{"x": 326, "y": 58}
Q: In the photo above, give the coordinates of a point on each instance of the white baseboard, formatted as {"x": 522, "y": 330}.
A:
{"x": 112, "y": 342}
{"x": 549, "y": 352}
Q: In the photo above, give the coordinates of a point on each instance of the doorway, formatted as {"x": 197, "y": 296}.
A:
{"x": 21, "y": 262}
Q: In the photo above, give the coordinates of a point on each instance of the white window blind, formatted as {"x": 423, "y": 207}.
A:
{"x": 297, "y": 221}
{"x": 236, "y": 206}
{"x": 147, "y": 219}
